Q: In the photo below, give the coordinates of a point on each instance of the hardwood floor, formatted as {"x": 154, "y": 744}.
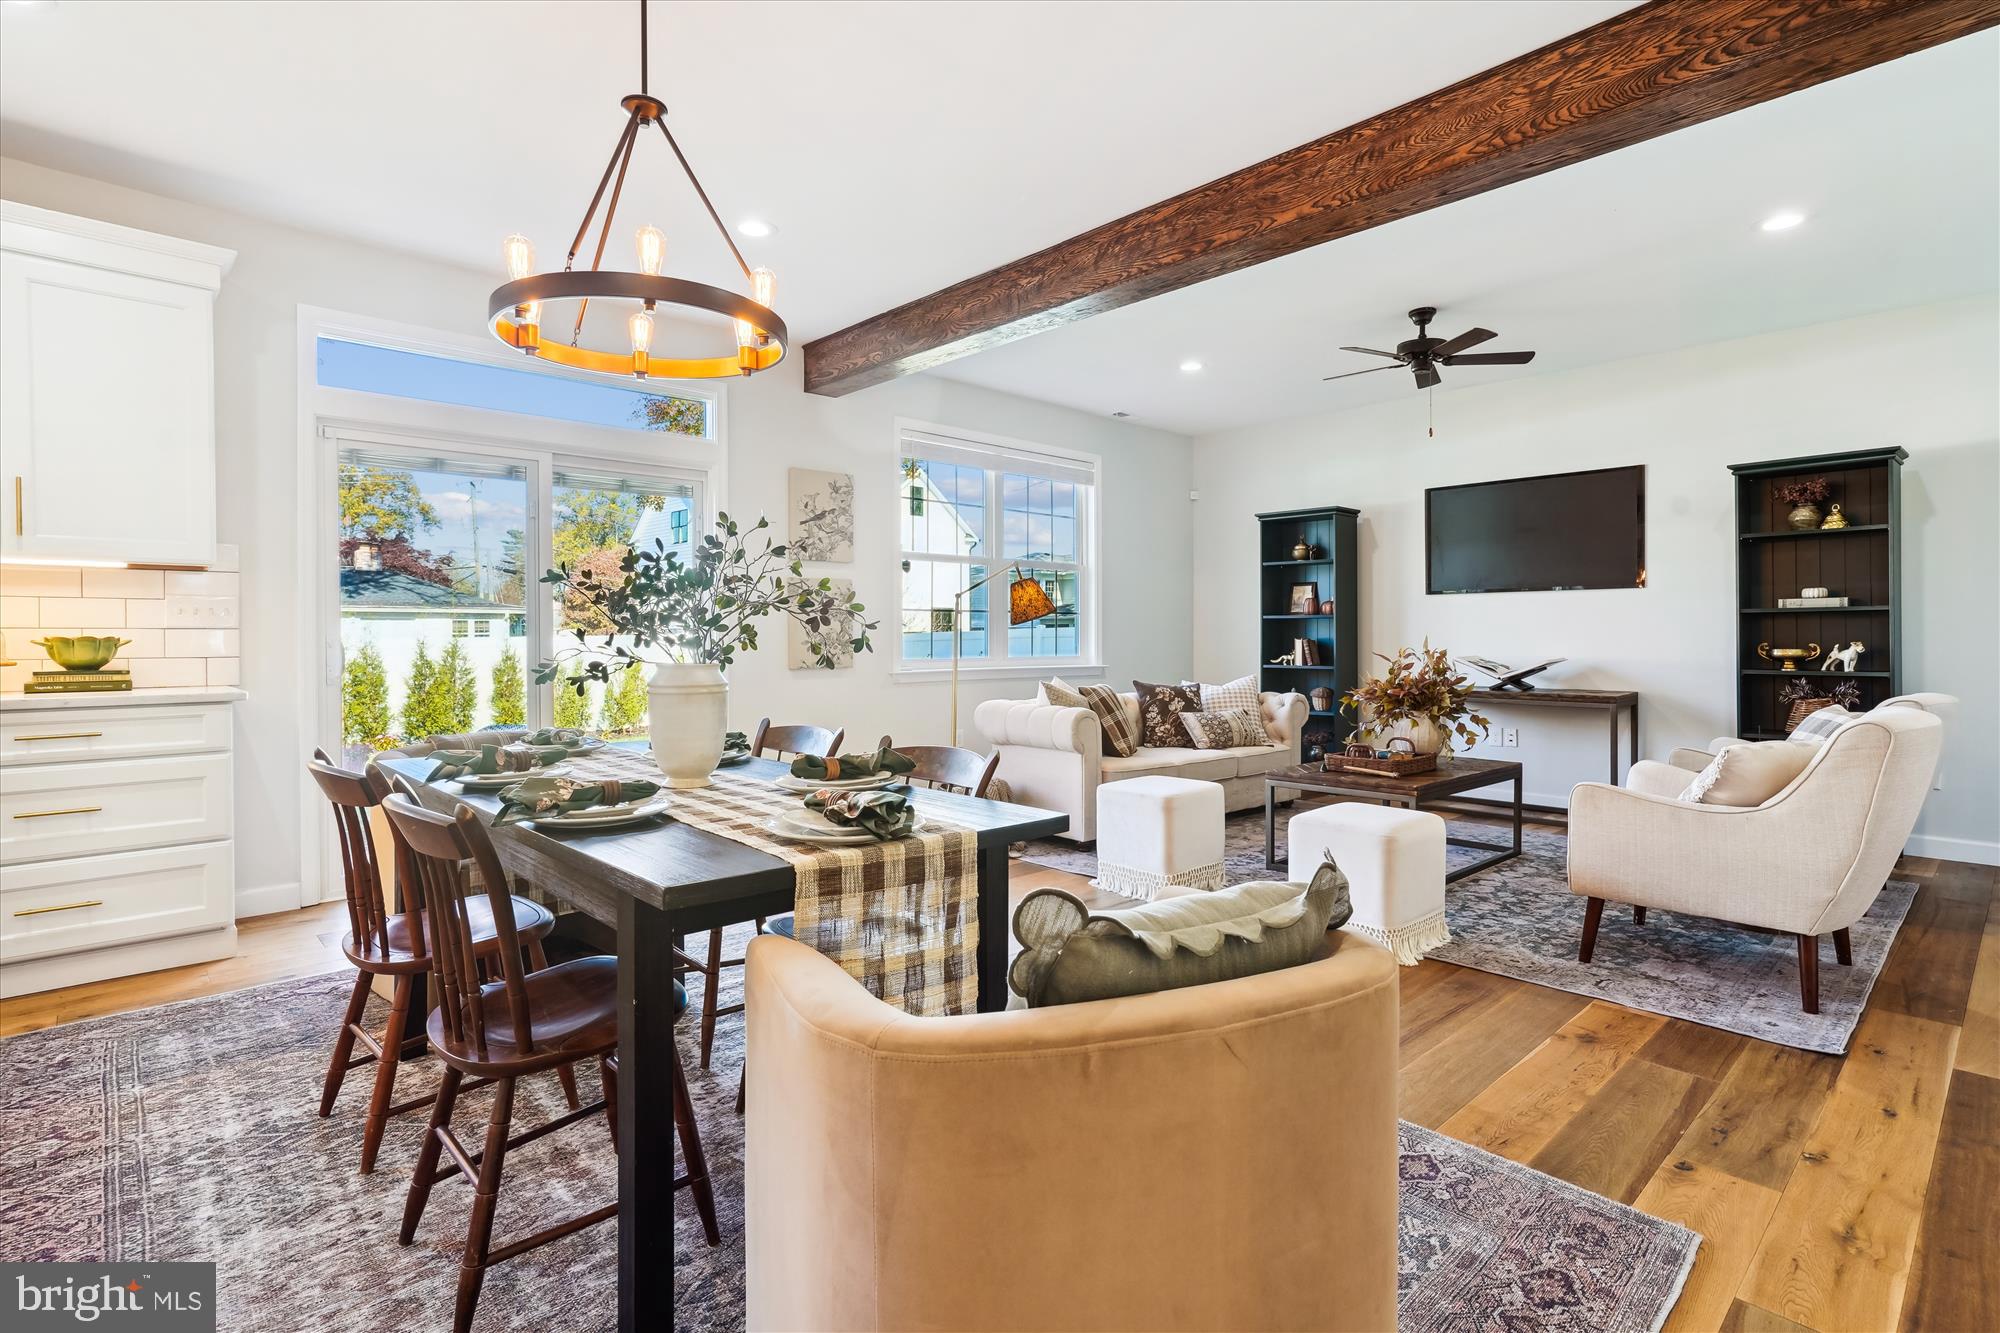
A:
{"x": 1833, "y": 1194}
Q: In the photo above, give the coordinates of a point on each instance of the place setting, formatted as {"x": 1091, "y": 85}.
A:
{"x": 849, "y": 800}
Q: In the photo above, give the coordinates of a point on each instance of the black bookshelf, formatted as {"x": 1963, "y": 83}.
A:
{"x": 1330, "y": 531}
{"x": 1862, "y": 562}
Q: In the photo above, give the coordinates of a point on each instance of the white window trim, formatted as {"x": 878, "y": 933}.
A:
{"x": 326, "y": 415}
{"x": 1088, "y": 661}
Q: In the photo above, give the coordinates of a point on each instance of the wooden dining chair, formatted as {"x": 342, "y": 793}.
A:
{"x": 695, "y": 1177}
{"x": 949, "y": 768}
{"x": 395, "y": 944}
{"x": 524, "y": 1023}
{"x": 780, "y": 742}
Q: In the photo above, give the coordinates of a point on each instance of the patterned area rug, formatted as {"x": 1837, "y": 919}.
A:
{"x": 1520, "y": 920}
{"x": 188, "y": 1132}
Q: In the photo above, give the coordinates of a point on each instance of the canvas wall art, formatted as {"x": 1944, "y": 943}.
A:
{"x": 837, "y": 638}
{"x": 822, "y": 506}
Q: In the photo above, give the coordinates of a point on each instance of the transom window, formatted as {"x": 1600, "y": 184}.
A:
{"x": 965, "y": 508}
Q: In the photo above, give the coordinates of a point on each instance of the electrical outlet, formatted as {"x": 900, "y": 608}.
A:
{"x": 1510, "y": 736}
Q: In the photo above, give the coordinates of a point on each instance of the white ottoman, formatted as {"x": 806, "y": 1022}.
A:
{"x": 1159, "y": 837}
{"x": 1394, "y": 862}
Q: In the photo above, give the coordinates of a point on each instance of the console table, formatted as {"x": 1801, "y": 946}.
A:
{"x": 1608, "y": 702}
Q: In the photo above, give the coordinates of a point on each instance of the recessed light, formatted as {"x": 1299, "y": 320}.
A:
{"x": 1190, "y": 367}
{"x": 755, "y": 227}
{"x": 1121, "y": 414}
{"x": 1784, "y": 221}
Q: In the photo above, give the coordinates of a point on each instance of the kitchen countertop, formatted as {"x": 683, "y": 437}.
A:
{"x": 190, "y": 694}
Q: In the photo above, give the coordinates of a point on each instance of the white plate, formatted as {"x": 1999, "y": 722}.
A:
{"x": 495, "y": 781}
{"x": 782, "y": 827}
{"x": 604, "y": 817}
{"x": 790, "y": 782}
{"x": 731, "y": 759}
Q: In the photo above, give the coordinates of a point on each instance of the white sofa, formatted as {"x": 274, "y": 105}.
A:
{"x": 1807, "y": 862}
{"x": 1054, "y": 757}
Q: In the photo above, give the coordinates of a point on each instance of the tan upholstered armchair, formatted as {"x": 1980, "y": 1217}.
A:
{"x": 1807, "y": 862}
{"x": 1222, "y": 1156}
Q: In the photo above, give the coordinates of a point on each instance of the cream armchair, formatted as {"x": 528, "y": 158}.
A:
{"x": 1222, "y": 1156}
{"x": 1054, "y": 757}
{"x": 1807, "y": 862}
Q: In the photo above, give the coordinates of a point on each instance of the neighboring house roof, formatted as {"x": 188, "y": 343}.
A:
{"x": 390, "y": 589}
{"x": 657, "y": 524}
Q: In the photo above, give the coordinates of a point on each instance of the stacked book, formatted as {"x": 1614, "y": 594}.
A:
{"x": 77, "y": 682}
{"x": 1802, "y": 603}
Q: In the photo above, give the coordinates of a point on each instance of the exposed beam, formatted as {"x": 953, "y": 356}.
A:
{"x": 1643, "y": 73}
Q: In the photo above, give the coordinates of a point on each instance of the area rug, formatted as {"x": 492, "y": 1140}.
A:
{"x": 1520, "y": 920}
{"x": 188, "y": 1132}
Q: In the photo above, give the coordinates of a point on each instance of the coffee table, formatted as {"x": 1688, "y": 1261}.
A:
{"x": 1450, "y": 776}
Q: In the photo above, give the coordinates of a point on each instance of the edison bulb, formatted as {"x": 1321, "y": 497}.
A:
{"x": 519, "y": 252}
{"x": 652, "y": 243}
{"x": 640, "y": 326}
{"x": 763, "y": 287}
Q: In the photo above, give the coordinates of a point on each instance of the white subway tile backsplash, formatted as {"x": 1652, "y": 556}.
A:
{"x": 84, "y": 610}
{"x": 149, "y": 615}
{"x": 202, "y": 585}
{"x": 155, "y": 672}
{"x": 224, "y": 671}
{"x": 40, "y": 581}
{"x": 206, "y": 612}
{"x": 201, "y": 643}
{"x": 143, "y": 643}
{"x": 124, "y": 583}
{"x": 20, "y": 611}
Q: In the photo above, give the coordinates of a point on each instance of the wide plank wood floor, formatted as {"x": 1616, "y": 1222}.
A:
{"x": 1837, "y": 1194}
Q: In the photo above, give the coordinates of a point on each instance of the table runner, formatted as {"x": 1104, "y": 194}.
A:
{"x": 900, "y": 917}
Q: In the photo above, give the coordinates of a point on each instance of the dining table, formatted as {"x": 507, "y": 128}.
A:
{"x": 655, "y": 882}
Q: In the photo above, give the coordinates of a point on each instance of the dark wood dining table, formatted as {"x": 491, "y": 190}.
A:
{"x": 655, "y": 882}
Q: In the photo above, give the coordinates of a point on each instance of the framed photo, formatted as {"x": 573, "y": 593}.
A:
{"x": 1305, "y": 599}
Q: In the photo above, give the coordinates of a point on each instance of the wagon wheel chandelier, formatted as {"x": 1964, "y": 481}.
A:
{"x": 515, "y": 308}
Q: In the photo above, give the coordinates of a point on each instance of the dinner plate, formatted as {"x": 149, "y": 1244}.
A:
{"x": 585, "y": 746}
{"x": 833, "y": 835}
{"x": 605, "y": 816}
{"x": 791, "y": 782}
{"x": 495, "y": 781}
{"x": 731, "y": 759}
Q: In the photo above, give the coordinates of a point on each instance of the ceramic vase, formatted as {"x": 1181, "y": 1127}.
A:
{"x": 688, "y": 704}
{"x": 1426, "y": 735}
{"x": 1805, "y": 516}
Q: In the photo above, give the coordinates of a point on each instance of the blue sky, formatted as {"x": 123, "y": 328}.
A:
{"x": 346, "y": 365}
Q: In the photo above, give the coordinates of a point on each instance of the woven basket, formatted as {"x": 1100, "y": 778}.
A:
{"x": 1400, "y": 763}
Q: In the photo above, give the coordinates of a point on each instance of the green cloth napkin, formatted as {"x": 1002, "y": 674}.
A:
{"x": 735, "y": 742}
{"x": 535, "y": 797}
{"x": 842, "y": 767}
{"x": 885, "y": 812}
{"x": 492, "y": 759}
{"x": 555, "y": 736}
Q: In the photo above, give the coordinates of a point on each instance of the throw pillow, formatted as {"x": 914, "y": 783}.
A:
{"x": 1820, "y": 724}
{"x": 1225, "y": 730}
{"x": 1119, "y": 738}
{"x": 1071, "y": 956}
{"x": 1160, "y": 709}
{"x": 1749, "y": 774}
{"x": 1238, "y": 693}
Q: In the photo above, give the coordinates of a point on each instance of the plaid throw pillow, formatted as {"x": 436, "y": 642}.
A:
{"x": 1238, "y": 693}
{"x": 1225, "y": 730}
{"x": 1160, "y": 709}
{"x": 1820, "y": 724}
{"x": 1119, "y": 736}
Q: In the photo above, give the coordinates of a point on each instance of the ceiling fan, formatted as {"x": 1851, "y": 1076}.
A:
{"x": 1423, "y": 354}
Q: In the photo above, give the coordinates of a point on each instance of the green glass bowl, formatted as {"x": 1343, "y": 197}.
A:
{"x": 82, "y": 652}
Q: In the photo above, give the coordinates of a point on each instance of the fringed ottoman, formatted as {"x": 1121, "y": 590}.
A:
{"x": 1394, "y": 860}
{"x": 1159, "y": 837}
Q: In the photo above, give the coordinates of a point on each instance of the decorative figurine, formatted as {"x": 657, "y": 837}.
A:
{"x": 1843, "y": 659}
{"x": 1834, "y": 518}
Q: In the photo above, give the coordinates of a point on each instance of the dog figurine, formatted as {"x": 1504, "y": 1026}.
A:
{"x": 1843, "y": 659}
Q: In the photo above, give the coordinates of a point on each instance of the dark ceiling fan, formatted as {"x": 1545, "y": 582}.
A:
{"x": 1423, "y": 354}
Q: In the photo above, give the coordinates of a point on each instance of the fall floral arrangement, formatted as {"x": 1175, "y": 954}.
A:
{"x": 1420, "y": 685}
{"x": 1810, "y": 491}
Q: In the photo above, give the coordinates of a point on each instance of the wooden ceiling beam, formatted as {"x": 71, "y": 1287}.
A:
{"x": 1640, "y": 74}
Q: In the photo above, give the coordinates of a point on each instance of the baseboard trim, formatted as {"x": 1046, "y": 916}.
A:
{"x": 265, "y": 899}
{"x": 1953, "y": 849}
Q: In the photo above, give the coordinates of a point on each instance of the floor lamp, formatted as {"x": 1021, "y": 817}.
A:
{"x": 1027, "y": 600}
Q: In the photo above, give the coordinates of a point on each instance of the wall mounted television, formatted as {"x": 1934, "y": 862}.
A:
{"x": 1529, "y": 534}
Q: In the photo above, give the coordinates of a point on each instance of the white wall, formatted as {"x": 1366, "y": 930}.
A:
{"x": 772, "y": 425}
{"x": 1927, "y": 379}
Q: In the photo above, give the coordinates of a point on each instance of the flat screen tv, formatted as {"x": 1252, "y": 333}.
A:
{"x": 1570, "y": 530}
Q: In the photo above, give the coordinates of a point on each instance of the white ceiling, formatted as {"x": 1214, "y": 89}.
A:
{"x": 1651, "y": 248}
{"x": 898, "y": 147}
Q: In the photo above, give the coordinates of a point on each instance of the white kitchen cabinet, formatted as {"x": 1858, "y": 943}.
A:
{"x": 107, "y": 391}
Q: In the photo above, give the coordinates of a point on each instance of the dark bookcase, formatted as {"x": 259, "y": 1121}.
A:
{"x": 1861, "y": 562}
{"x": 1331, "y": 569}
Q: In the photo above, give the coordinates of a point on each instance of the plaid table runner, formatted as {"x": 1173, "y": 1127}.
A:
{"x": 900, "y": 917}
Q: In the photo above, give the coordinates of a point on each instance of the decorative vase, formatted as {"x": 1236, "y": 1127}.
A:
{"x": 1427, "y": 736}
{"x": 1805, "y": 516}
{"x": 689, "y": 707}
{"x": 1302, "y": 551}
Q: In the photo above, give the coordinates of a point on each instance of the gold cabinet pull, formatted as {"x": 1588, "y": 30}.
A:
{"x": 63, "y": 736}
{"x": 51, "y": 814}
{"x": 65, "y": 907}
